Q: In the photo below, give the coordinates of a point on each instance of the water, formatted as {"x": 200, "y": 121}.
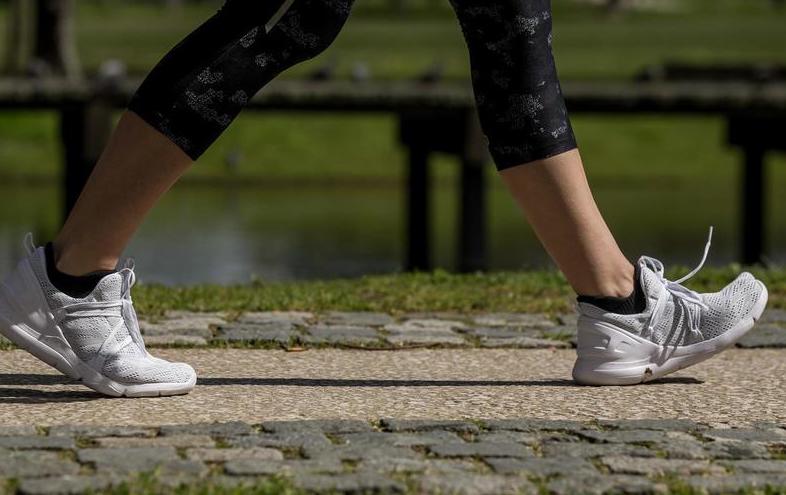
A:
{"x": 224, "y": 235}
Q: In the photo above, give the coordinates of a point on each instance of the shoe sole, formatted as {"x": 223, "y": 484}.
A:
{"x": 622, "y": 358}
{"x": 59, "y": 355}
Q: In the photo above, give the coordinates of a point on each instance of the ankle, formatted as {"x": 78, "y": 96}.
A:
{"x": 617, "y": 283}
{"x": 72, "y": 260}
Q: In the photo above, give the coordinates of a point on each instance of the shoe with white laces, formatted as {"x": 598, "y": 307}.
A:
{"x": 678, "y": 328}
{"x": 95, "y": 339}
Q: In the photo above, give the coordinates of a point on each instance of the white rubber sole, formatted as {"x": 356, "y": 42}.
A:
{"x": 53, "y": 349}
{"x": 608, "y": 355}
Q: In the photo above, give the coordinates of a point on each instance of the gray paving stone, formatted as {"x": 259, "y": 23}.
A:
{"x": 128, "y": 460}
{"x": 285, "y": 440}
{"x": 478, "y": 449}
{"x": 404, "y": 334}
{"x": 401, "y": 439}
{"x": 181, "y": 314}
{"x": 182, "y": 323}
{"x": 335, "y": 427}
{"x": 508, "y": 436}
{"x": 298, "y": 318}
{"x": 36, "y": 442}
{"x": 176, "y": 441}
{"x": 221, "y": 430}
{"x": 356, "y": 319}
{"x": 652, "y": 424}
{"x": 541, "y": 467}
{"x": 589, "y": 450}
{"x": 175, "y": 340}
{"x": 66, "y": 485}
{"x": 597, "y": 485}
{"x": 568, "y": 319}
{"x": 261, "y": 467}
{"x": 399, "y": 425}
{"x": 359, "y": 452}
{"x": 535, "y": 425}
{"x": 682, "y": 449}
{"x": 757, "y": 466}
{"x": 173, "y": 328}
{"x": 769, "y": 425}
{"x": 562, "y": 333}
{"x": 349, "y": 483}
{"x": 735, "y": 483}
{"x": 659, "y": 467}
{"x": 17, "y": 431}
{"x": 514, "y": 320}
{"x": 89, "y": 431}
{"x": 633, "y": 436}
{"x": 224, "y": 455}
{"x": 767, "y": 436}
{"x": 278, "y": 333}
{"x": 764, "y": 336}
{"x": 446, "y": 323}
{"x": 773, "y": 316}
{"x": 33, "y": 464}
{"x": 402, "y": 465}
{"x": 735, "y": 449}
{"x": 457, "y": 484}
{"x": 455, "y": 466}
{"x": 342, "y": 335}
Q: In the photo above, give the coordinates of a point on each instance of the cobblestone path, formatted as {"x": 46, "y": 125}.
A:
{"x": 396, "y": 456}
{"x": 413, "y": 404}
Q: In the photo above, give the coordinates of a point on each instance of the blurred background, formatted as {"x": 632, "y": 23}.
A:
{"x": 287, "y": 196}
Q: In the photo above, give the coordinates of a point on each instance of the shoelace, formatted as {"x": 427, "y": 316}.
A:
{"x": 110, "y": 345}
{"x": 690, "y": 301}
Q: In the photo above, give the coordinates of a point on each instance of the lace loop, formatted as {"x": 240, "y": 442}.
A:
{"x": 689, "y": 301}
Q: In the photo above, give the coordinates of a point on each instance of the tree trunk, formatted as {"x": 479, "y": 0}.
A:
{"x": 41, "y": 39}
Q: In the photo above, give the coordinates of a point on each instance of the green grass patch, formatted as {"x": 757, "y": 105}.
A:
{"x": 526, "y": 291}
{"x": 151, "y": 484}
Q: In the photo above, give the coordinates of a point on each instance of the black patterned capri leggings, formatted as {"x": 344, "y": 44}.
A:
{"x": 199, "y": 88}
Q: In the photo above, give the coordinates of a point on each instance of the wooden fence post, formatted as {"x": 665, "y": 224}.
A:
{"x": 41, "y": 39}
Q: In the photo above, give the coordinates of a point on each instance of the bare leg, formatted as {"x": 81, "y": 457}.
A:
{"x": 181, "y": 108}
{"x": 138, "y": 166}
{"x": 557, "y": 201}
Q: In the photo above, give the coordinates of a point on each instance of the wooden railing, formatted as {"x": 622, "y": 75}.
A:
{"x": 440, "y": 117}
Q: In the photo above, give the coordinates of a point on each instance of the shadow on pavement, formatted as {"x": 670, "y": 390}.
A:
{"x": 34, "y": 396}
{"x": 33, "y": 379}
{"x": 328, "y": 382}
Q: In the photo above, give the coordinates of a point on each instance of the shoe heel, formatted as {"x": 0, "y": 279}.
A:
{"x": 610, "y": 356}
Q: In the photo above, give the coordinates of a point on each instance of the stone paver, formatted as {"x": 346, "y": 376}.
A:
{"x": 621, "y": 465}
{"x": 343, "y": 335}
{"x": 518, "y": 455}
{"x": 279, "y": 333}
{"x": 287, "y": 329}
{"x": 457, "y": 420}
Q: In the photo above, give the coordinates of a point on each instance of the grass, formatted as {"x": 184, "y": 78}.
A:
{"x": 151, "y": 484}
{"x": 531, "y": 291}
{"x": 392, "y": 45}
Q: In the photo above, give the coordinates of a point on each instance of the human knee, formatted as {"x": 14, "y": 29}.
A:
{"x": 311, "y": 26}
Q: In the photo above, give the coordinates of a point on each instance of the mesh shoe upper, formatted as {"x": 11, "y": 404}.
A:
{"x": 103, "y": 331}
{"x": 684, "y": 320}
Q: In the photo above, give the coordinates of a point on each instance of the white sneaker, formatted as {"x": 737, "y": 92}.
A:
{"x": 678, "y": 328}
{"x": 95, "y": 339}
